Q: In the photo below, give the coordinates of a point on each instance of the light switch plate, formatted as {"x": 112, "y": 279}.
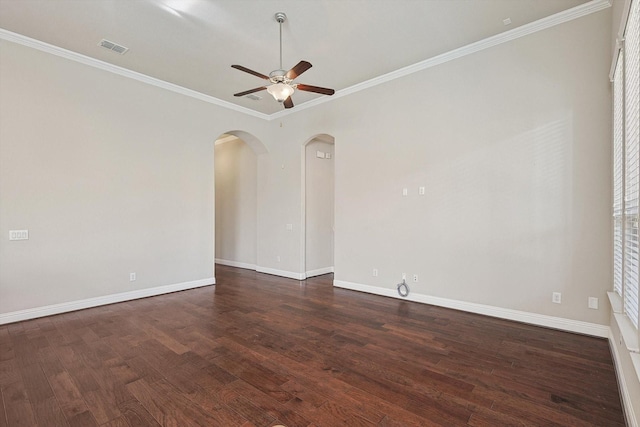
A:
{"x": 18, "y": 234}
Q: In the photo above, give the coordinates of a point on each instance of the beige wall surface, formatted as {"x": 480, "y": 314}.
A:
{"x": 112, "y": 176}
{"x": 109, "y": 175}
{"x": 511, "y": 145}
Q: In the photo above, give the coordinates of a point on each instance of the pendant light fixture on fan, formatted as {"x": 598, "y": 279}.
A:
{"x": 282, "y": 86}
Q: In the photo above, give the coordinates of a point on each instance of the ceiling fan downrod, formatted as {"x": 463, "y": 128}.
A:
{"x": 280, "y": 18}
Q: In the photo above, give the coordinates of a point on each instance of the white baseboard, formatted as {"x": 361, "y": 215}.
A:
{"x": 319, "y": 272}
{"x": 266, "y": 270}
{"x": 487, "y": 310}
{"x": 235, "y": 264}
{"x": 49, "y": 310}
{"x": 275, "y": 272}
{"x": 282, "y": 273}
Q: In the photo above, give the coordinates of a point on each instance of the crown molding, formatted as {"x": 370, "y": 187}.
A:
{"x": 559, "y": 18}
{"x": 105, "y": 66}
{"x": 507, "y": 36}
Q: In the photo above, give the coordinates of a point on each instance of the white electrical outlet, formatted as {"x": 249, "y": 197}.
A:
{"x": 405, "y": 191}
{"x": 593, "y": 303}
{"x": 375, "y": 272}
{"x": 278, "y": 258}
{"x": 421, "y": 191}
{"x": 415, "y": 277}
{"x": 132, "y": 277}
{"x": 327, "y": 155}
{"x": 556, "y": 298}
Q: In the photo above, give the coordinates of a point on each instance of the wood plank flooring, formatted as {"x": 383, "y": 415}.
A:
{"x": 259, "y": 350}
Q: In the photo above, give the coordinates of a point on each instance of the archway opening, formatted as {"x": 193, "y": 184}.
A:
{"x": 236, "y": 199}
{"x": 318, "y": 199}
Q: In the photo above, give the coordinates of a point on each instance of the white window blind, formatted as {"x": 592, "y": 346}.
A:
{"x": 618, "y": 176}
{"x": 632, "y": 162}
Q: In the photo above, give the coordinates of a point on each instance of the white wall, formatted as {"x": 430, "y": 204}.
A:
{"x": 511, "y": 144}
{"x": 319, "y": 208}
{"x": 279, "y": 187}
{"x": 508, "y": 142}
{"x": 109, "y": 175}
{"x": 236, "y": 183}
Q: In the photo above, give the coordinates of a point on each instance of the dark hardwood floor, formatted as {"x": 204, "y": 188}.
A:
{"x": 259, "y": 350}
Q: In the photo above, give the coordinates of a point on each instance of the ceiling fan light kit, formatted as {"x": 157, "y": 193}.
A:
{"x": 282, "y": 86}
{"x": 280, "y": 91}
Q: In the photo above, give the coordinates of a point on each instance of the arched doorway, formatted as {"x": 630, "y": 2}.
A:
{"x": 236, "y": 201}
{"x": 318, "y": 205}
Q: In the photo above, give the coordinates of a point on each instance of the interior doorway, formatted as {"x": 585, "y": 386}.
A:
{"x": 318, "y": 199}
{"x": 236, "y": 199}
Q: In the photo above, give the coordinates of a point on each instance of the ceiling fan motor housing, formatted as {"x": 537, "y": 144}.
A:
{"x": 279, "y": 76}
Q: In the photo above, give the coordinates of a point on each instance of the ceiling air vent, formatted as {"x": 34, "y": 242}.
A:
{"x": 113, "y": 46}
{"x": 254, "y": 97}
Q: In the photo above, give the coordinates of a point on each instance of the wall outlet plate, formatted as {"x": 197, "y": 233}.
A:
{"x": 556, "y": 298}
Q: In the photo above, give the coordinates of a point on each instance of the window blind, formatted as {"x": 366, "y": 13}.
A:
{"x": 618, "y": 175}
{"x": 632, "y": 162}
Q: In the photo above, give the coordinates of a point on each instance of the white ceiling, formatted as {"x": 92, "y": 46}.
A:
{"x": 193, "y": 43}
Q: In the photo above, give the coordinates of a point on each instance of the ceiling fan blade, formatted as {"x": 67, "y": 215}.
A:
{"x": 316, "y": 89}
{"x": 300, "y": 68}
{"x": 247, "y": 92}
{"x": 246, "y": 70}
{"x": 288, "y": 103}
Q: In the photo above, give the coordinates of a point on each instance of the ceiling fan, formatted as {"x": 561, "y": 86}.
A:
{"x": 282, "y": 86}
